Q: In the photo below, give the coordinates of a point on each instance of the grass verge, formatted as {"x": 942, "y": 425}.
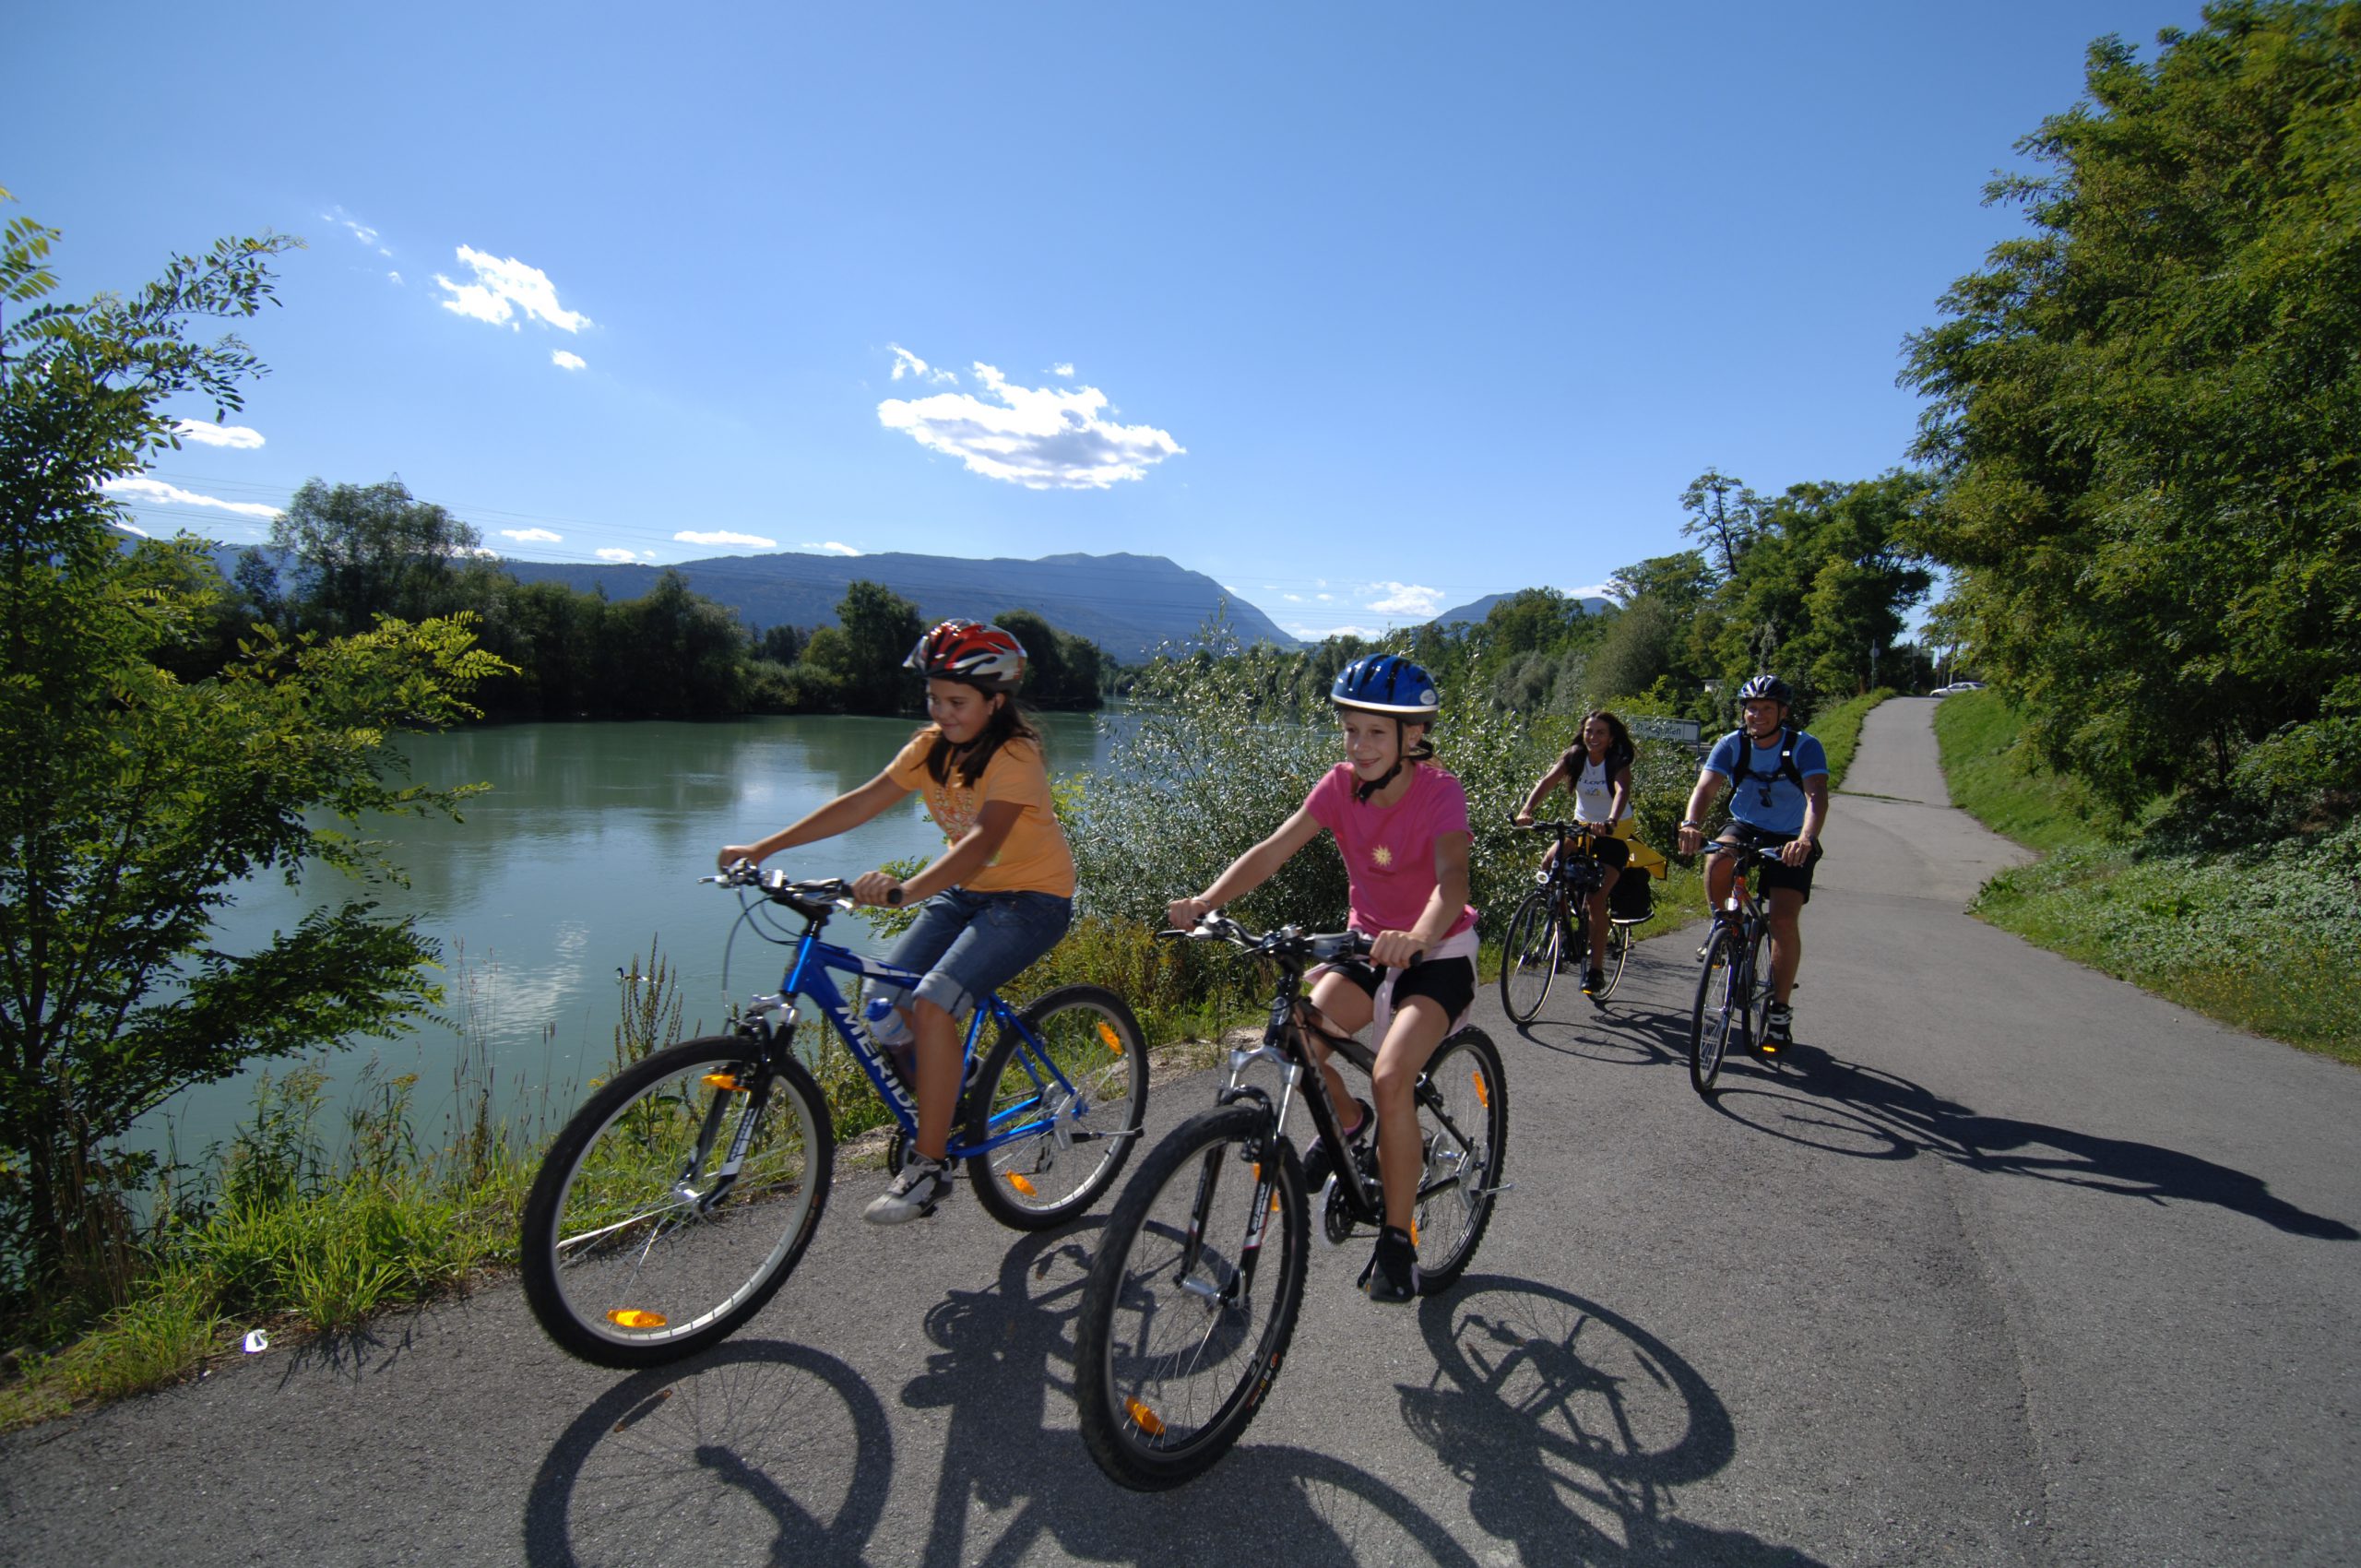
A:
{"x": 2255, "y": 934}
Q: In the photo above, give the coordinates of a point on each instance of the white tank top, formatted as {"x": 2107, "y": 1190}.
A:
{"x": 1595, "y": 792}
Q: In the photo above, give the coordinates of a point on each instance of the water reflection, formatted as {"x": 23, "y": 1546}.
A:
{"x": 584, "y": 853}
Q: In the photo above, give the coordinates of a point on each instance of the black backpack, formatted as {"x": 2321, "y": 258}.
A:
{"x": 1787, "y": 769}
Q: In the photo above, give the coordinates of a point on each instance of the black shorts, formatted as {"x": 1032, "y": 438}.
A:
{"x": 1772, "y": 873}
{"x": 1450, "y": 982}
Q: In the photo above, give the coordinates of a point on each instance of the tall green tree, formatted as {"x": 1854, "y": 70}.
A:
{"x": 366, "y": 550}
{"x": 136, "y": 800}
{"x": 2147, "y": 411}
{"x": 877, "y": 628}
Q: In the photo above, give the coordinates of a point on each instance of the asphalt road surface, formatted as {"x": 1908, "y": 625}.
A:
{"x": 2007, "y": 1264}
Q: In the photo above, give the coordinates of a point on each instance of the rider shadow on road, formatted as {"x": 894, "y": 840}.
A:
{"x": 1007, "y": 1352}
{"x": 1902, "y": 1119}
{"x": 1573, "y": 1427}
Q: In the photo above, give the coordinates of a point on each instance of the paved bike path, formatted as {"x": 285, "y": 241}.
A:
{"x": 2007, "y": 1264}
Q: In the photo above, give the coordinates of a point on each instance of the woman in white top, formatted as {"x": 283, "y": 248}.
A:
{"x": 1599, "y": 771}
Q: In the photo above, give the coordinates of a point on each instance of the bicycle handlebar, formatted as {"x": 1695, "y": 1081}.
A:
{"x": 1289, "y": 945}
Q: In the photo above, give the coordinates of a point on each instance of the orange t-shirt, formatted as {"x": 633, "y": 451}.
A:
{"x": 1034, "y": 857}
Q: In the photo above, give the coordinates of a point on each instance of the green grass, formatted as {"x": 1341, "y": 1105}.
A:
{"x": 1992, "y": 780}
{"x": 2257, "y": 934}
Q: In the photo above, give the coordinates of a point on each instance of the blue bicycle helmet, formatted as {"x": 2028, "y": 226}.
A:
{"x": 1383, "y": 682}
{"x": 1767, "y": 687}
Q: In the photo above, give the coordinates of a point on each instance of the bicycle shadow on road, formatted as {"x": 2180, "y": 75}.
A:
{"x": 1573, "y": 1427}
{"x": 738, "y": 1454}
{"x": 1007, "y": 1352}
{"x": 1886, "y": 1116}
{"x": 1621, "y": 1031}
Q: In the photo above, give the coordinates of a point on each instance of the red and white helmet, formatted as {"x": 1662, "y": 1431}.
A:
{"x": 983, "y": 656}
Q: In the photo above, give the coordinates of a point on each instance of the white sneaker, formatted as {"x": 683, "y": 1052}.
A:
{"x": 923, "y": 1183}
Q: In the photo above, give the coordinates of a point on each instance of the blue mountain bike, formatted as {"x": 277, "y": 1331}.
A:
{"x": 682, "y": 1195}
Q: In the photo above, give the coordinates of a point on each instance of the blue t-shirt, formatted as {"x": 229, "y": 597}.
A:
{"x": 1772, "y": 804}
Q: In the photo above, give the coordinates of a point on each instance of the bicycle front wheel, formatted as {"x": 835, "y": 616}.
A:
{"x": 1758, "y": 1001}
{"x": 1720, "y": 1016}
{"x": 675, "y": 1203}
{"x": 1464, "y": 1126}
{"x": 1084, "y": 1127}
{"x": 1192, "y": 1298}
{"x": 1529, "y": 955}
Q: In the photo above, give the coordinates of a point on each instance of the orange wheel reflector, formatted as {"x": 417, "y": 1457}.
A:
{"x": 1016, "y": 1180}
{"x": 1482, "y": 1093}
{"x": 1414, "y": 1232}
{"x": 636, "y": 1317}
{"x": 726, "y": 1082}
{"x": 1106, "y": 1032}
{"x": 1275, "y": 1200}
{"x": 1148, "y": 1421}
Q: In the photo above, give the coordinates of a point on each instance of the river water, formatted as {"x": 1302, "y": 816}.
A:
{"x": 582, "y": 858}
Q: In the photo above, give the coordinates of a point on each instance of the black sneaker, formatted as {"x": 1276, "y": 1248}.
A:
{"x": 1594, "y": 982}
{"x": 1392, "y": 1272}
{"x": 1321, "y": 1163}
{"x": 1778, "y": 1025}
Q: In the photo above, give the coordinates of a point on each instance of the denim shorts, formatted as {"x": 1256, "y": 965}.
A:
{"x": 967, "y": 945}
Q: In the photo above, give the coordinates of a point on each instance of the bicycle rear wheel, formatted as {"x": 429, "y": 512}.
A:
{"x": 1618, "y": 953}
{"x": 641, "y": 1242}
{"x": 1192, "y": 1298}
{"x": 1529, "y": 955}
{"x": 1049, "y": 1176}
{"x": 1463, "y": 1128}
{"x": 1719, "y": 1015}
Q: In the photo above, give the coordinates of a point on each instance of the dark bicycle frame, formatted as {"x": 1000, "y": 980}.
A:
{"x": 1283, "y": 1045}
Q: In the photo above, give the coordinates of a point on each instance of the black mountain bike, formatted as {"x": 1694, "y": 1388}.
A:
{"x": 1734, "y": 988}
{"x": 1198, "y": 1275}
{"x": 1549, "y": 929}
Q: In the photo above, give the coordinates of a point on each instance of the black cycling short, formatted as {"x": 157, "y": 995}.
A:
{"x": 1450, "y": 982}
{"x": 1774, "y": 874}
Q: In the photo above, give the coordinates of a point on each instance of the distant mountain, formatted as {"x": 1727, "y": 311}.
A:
{"x": 1127, "y": 604}
{"x": 1477, "y": 610}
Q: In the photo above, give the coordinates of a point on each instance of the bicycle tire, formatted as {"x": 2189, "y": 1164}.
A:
{"x": 633, "y": 1253}
{"x": 1032, "y": 1183}
{"x": 1618, "y": 953}
{"x": 1171, "y": 1362}
{"x": 1463, "y": 1135}
{"x": 1759, "y": 992}
{"x": 1529, "y": 955}
{"x": 1718, "y": 1010}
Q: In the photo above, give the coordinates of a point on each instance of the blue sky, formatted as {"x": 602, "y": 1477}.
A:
{"x": 1365, "y": 311}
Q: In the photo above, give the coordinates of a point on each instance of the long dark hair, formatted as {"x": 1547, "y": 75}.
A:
{"x": 1008, "y": 723}
{"x": 1621, "y": 751}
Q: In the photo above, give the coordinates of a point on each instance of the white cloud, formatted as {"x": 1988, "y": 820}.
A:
{"x": 564, "y": 361}
{"x": 1292, "y": 598}
{"x": 1062, "y": 368}
{"x": 504, "y": 288}
{"x": 532, "y": 536}
{"x": 1597, "y": 590}
{"x": 1314, "y": 633}
{"x": 830, "y": 548}
{"x": 751, "y": 541}
{"x": 133, "y": 527}
{"x": 1323, "y": 598}
{"x": 1043, "y": 438}
{"x": 480, "y": 551}
{"x": 909, "y": 365}
{"x": 140, "y": 489}
{"x": 396, "y": 279}
{"x": 1405, "y": 599}
{"x": 234, "y": 436}
{"x": 620, "y": 557}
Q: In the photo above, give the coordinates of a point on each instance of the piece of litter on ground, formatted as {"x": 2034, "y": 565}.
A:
{"x": 256, "y": 1341}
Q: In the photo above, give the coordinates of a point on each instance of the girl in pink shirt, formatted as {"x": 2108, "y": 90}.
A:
{"x": 1401, "y": 824}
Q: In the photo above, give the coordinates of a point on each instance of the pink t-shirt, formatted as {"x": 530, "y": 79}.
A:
{"x": 1390, "y": 851}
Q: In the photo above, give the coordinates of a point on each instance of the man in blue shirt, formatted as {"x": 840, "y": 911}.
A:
{"x": 1778, "y": 781}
